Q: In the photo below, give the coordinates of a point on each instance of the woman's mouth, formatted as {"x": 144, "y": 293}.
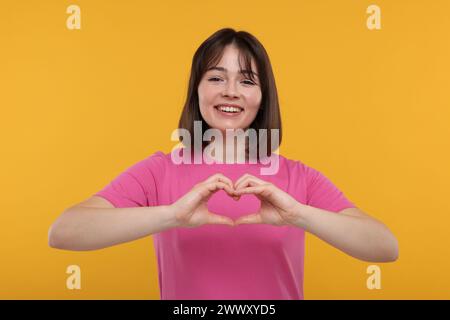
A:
{"x": 230, "y": 111}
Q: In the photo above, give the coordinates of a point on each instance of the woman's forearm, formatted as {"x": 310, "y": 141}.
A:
{"x": 363, "y": 238}
{"x": 90, "y": 228}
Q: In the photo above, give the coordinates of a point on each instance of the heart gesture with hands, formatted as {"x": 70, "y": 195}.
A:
{"x": 277, "y": 207}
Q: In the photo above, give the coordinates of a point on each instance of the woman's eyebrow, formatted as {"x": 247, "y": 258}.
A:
{"x": 222, "y": 69}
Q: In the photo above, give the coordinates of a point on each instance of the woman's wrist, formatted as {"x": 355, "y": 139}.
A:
{"x": 170, "y": 212}
{"x": 301, "y": 211}
{"x": 162, "y": 217}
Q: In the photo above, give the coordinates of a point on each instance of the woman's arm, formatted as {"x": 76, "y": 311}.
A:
{"x": 351, "y": 231}
{"x": 96, "y": 223}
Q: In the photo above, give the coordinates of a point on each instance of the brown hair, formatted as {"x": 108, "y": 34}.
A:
{"x": 208, "y": 55}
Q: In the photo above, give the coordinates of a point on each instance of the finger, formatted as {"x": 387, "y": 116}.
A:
{"x": 231, "y": 192}
{"x": 219, "y": 177}
{"x": 250, "y": 190}
{"x": 249, "y": 219}
{"x": 212, "y": 178}
{"x": 218, "y": 219}
{"x": 245, "y": 176}
{"x": 226, "y": 180}
{"x": 213, "y": 187}
{"x": 249, "y": 176}
{"x": 246, "y": 182}
{"x": 208, "y": 189}
{"x": 262, "y": 192}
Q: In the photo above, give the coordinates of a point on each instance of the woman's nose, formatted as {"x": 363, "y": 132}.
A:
{"x": 230, "y": 89}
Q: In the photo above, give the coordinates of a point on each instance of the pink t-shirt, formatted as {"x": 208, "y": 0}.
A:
{"x": 217, "y": 261}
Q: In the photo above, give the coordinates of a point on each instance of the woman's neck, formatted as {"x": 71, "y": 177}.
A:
{"x": 229, "y": 150}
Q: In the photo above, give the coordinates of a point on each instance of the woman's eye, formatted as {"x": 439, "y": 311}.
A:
{"x": 215, "y": 79}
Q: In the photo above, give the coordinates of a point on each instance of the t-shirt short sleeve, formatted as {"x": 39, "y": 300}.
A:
{"x": 323, "y": 194}
{"x": 137, "y": 185}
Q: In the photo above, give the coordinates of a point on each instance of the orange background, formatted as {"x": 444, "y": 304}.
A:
{"x": 368, "y": 108}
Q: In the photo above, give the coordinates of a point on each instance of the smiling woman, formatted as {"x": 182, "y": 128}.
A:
{"x": 220, "y": 230}
{"x": 232, "y": 86}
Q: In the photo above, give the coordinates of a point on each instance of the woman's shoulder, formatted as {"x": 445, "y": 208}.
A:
{"x": 155, "y": 162}
{"x": 297, "y": 166}
{"x": 292, "y": 163}
{"x": 158, "y": 155}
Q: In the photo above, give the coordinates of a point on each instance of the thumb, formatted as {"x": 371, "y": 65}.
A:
{"x": 219, "y": 219}
{"x": 249, "y": 219}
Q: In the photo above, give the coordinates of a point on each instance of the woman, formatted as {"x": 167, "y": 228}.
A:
{"x": 224, "y": 230}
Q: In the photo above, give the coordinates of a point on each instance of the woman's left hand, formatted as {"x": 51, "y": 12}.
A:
{"x": 277, "y": 207}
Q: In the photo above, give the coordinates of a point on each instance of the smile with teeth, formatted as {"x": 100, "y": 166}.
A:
{"x": 229, "y": 109}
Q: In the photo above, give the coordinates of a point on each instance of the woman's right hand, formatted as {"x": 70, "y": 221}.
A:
{"x": 191, "y": 209}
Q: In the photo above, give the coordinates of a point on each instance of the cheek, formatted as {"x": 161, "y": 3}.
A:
{"x": 205, "y": 94}
{"x": 201, "y": 93}
{"x": 202, "y": 101}
{"x": 254, "y": 100}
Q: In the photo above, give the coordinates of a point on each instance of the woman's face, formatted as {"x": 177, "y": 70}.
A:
{"x": 229, "y": 99}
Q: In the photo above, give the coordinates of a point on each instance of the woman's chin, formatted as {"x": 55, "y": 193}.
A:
{"x": 231, "y": 129}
